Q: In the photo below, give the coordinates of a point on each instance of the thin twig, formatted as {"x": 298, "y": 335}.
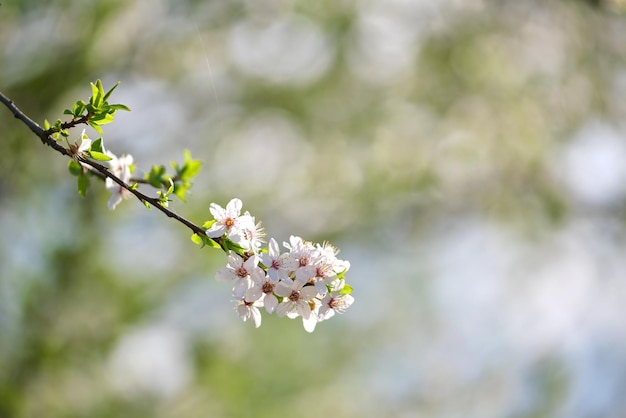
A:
{"x": 98, "y": 169}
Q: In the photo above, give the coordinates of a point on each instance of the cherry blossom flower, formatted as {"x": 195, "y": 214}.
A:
{"x": 227, "y": 221}
{"x": 263, "y": 290}
{"x": 243, "y": 273}
{"x": 310, "y": 322}
{"x": 301, "y": 258}
{"x": 296, "y": 299}
{"x": 306, "y": 281}
{"x": 120, "y": 167}
{"x": 334, "y": 302}
{"x": 276, "y": 263}
{"x": 249, "y": 310}
{"x": 85, "y": 144}
{"x": 252, "y": 234}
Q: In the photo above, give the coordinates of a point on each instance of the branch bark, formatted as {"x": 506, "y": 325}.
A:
{"x": 98, "y": 168}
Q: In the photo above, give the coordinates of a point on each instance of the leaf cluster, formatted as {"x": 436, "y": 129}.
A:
{"x": 179, "y": 182}
{"x": 97, "y": 111}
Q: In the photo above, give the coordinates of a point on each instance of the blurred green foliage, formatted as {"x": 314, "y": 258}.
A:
{"x": 364, "y": 123}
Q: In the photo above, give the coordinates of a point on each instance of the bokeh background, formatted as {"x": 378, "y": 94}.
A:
{"x": 468, "y": 157}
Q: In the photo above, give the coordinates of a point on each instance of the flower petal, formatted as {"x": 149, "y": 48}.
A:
{"x": 271, "y": 302}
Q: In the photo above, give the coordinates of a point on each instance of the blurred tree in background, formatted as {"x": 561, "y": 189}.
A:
{"x": 469, "y": 158}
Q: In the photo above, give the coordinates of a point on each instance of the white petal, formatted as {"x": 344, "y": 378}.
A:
{"x": 321, "y": 288}
{"x": 225, "y": 275}
{"x": 309, "y": 324}
{"x": 239, "y": 290}
{"x": 243, "y": 312}
{"x": 271, "y": 302}
{"x": 303, "y": 309}
{"x": 233, "y": 207}
{"x": 234, "y": 260}
{"x": 216, "y": 230}
{"x": 325, "y": 313}
{"x": 308, "y": 292}
{"x": 254, "y": 293}
{"x": 114, "y": 200}
{"x": 283, "y": 289}
{"x": 274, "y": 251}
{"x": 255, "y": 315}
{"x": 251, "y": 262}
{"x": 217, "y": 211}
{"x": 283, "y": 308}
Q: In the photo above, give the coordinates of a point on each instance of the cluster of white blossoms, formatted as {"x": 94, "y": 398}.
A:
{"x": 306, "y": 280}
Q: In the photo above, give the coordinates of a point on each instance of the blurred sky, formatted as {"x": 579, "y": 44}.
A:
{"x": 469, "y": 159}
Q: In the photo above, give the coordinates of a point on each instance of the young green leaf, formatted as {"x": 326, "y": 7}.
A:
{"x": 75, "y": 168}
{"x": 119, "y": 106}
{"x": 203, "y": 240}
{"x": 108, "y": 93}
{"x": 98, "y": 156}
{"x": 197, "y": 240}
{"x": 156, "y": 176}
{"x": 79, "y": 108}
{"x": 97, "y": 146}
{"x": 96, "y": 94}
{"x": 83, "y": 184}
{"x": 96, "y": 127}
{"x": 346, "y": 290}
{"x": 208, "y": 224}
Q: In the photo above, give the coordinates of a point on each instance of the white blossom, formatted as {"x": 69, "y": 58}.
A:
{"x": 249, "y": 310}
{"x": 296, "y": 299}
{"x": 241, "y": 272}
{"x": 334, "y": 302}
{"x": 227, "y": 221}
{"x": 306, "y": 281}
{"x": 277, "y": 264}
{"x": 120, "y": 167}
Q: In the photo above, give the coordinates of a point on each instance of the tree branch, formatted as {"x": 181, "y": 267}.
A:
{"x": 100, "y": 170}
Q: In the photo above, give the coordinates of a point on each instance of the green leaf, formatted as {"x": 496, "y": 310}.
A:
{"x": 180, "y": 190}
{"x": 197, "y": 240}
{"x": 155, "y": 176}
{"x": 346, "y": 290}
{"x": 46, "y": 124}
{"x": 96, "y": 127}
{"x": 189, "y": 170}
{"x": 147, "y": 205}
{"x": 97, "y": 94}
{"x": 208, "y": 224}
{"x": 203, "y": 240}
{"x": 79, "y": 108}
{"x": 83, "y": 184}
{"x": 234, "y": 247}
{"x": 97, "y": 145}
{"x": 211, "y": 243}
{"x": 119, "y": 106}
{"x": 106, "y": 96}
{"x": 170, "y": 189}
{"x": 75, "y": 168}
{"x": 68, "y": 112}
{"x": 98, "y": 156}
{"x": 101, "y": 119}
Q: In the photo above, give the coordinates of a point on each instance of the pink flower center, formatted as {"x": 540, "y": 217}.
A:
{"x": 241, "y": 272}
{"x": 295, "y": 296}
{"x": 229, "y": 223}
{"x": 267, "y": 287}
